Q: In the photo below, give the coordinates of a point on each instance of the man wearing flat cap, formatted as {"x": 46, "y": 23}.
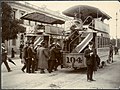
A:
{"x": 90, "y": 61}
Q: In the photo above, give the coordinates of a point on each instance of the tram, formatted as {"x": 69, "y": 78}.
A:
{"x": 49, "y": 29}
{"x": 88, "y": 25}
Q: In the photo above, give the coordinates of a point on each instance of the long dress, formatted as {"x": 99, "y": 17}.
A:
{"x": 43, "y": 56}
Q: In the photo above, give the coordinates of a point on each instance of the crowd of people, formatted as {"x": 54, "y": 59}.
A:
{"x": 41, "y": 58}
{"x": 49, "y": 58}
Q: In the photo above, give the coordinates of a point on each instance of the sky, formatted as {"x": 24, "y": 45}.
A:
{"x": 109, "y": 7}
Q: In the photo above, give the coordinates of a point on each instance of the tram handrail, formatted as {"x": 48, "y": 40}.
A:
{"x": 74, "y": 40}
{"x": 83, "y": 24}
{"x": 72, "y": 33}
{"x": 87, "y": 18}
{"x": 76, "y": 30}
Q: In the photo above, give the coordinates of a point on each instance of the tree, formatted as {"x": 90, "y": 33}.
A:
{"x": 10, "y": 26}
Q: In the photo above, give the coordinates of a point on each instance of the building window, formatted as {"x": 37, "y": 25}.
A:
{"x": 14, "y": 42}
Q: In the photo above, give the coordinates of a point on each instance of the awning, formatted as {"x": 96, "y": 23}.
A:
{"x": 43, "y": 18}
{"x": 82, "y": 11}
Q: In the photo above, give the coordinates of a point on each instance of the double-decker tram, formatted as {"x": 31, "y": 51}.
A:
{"x": 88, "y": 24}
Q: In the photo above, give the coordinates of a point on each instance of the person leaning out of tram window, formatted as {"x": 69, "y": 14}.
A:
{"x": 4, "y": 57}
{"x": 90, "y": 61}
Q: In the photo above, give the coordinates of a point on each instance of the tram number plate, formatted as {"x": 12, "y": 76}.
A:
{"x": 73, "y": 59}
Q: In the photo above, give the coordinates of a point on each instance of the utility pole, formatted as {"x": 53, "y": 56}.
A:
{"x": 116, "y": 29}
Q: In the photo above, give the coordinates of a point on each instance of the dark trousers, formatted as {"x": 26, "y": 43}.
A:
{"x": 58, "y": 62}
{"x": 6, "y": 64}
{"x": 111, "y": 57}
{"x": 36, "y": 65}
{"x": 31, "y": 65}
{"x": 51, "y": 65}
{"x": 12, "y": 55}
{"x": 20, "y": 54}
{"x": 25, "y": 65}
{"x": 90, "y": 72}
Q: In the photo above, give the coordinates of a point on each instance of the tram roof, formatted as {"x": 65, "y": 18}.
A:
{"x": 43, "y": 18}
{"x": 85, "y": 11}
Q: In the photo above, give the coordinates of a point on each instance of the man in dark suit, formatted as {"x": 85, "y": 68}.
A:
{"x": 90, "y": 61}
{"x": 31, "y": 58}
{"x": 25, "y": 57}
{"x": 52, "y": 60}
{"x": 58, "y": 56}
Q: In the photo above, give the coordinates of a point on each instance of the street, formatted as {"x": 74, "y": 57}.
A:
{"x": 106, "y": 78}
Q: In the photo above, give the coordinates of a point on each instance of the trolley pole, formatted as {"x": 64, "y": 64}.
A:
{"x": 116, "y": 29}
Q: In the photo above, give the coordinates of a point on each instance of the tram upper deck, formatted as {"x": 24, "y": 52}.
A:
{"x": 92, "y": 20}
